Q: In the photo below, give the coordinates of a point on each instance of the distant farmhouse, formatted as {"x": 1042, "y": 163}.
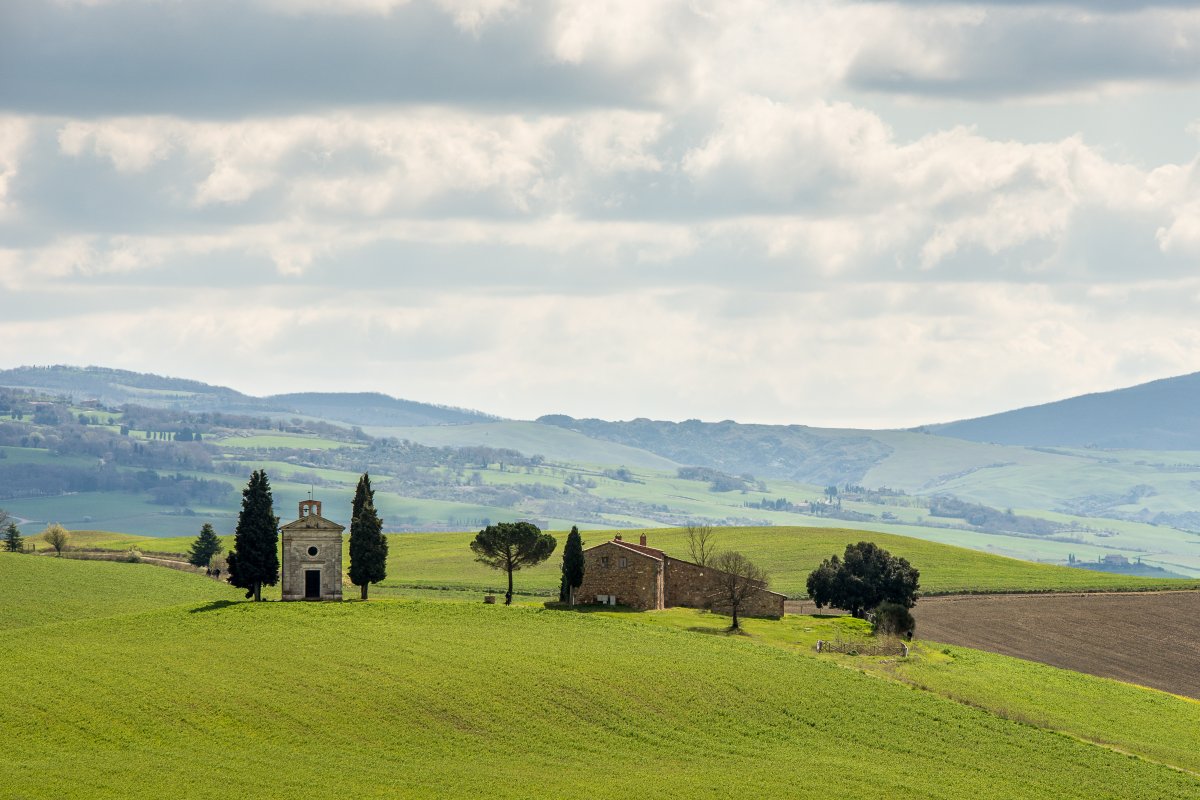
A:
{"x": 641, "y": 577}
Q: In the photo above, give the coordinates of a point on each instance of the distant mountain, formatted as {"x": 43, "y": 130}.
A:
{"x": 1160, "y": 415}
{"x": 116, "y": 387}
{"x": 374, "y": 409}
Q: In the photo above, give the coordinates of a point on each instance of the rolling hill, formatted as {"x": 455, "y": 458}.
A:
{"x": 114, "y": 387}
{"x": 434, "y": 699}
{"x": 1160, "y": 415}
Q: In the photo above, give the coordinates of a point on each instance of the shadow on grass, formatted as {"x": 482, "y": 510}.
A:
{"x": 215, "y": 605}
{"x": 589, "y": 609}
{"x": 718, "y": 631}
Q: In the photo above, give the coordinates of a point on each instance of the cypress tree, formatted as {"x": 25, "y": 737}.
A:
{"x": 205, "y": 547}
{"x": 572, "y": 567}
{"x": 254, "y": 560}
{"x": 12, "y": 538}
{"x": 368, "y": 545}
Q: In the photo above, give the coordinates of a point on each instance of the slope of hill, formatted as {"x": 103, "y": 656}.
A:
{"x": 422, "y": 699}
{"x": 117, "y": 386}
{"x": 557, "y": 444}
{"x": 114, "y": 387}
{"x": 794, "y": 452}
{"x": 1160, "y": 415}
{"x": 371, "y": 408}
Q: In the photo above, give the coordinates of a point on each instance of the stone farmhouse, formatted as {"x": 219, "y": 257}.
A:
{"x": 641, "y": 577}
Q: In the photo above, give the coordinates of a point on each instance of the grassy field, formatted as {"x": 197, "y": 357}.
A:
{"x": 38, "y": 590}
{"x": 424, "y": 699}
{"x": 789, "y": 554}
{"x": 269, "y": 441}
{"x": 1155, "y": 725}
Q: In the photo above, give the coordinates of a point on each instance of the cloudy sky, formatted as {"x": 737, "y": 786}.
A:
{"x": 827, "y": 213}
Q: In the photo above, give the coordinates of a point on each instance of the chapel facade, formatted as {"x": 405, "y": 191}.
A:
{"x": 312, "y": 556}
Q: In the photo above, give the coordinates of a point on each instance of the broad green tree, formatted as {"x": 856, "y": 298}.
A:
{"x": 368, "y": 545}
{"x": 254, "y": 560}
{"x": 12, "y": 538}
{"x": 57, "y": 537}
{"x": 205, "y": 547}
{"x": 510, "y": 546}
{"x": 864, "y": 577}
{"x": 572, "y": 567}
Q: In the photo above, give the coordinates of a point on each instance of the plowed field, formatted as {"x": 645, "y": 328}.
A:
{"x": 1148, "y": 638}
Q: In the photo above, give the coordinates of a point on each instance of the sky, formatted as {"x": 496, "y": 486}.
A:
{"x": 840, "y": 214}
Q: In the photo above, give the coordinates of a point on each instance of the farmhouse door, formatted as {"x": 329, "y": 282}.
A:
{"x": 312, "y": 584}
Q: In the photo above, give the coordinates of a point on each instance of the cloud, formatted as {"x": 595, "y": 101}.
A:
{"x": 703, "y": 205}
{"x": 1029, "y": 51}
{"x": 14, "y": 136}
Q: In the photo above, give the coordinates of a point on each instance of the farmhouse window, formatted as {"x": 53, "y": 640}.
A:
{"x": 624, "y": 562}
{"x": 604, "y": 561}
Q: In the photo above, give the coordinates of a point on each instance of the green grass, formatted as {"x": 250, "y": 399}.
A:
{"x": 1161, "y": 727}
{"x": 789, "y": 554}
{"x": 429, "y": 699}
{"x": 38, "y": 590}
{"x": 1153, "y": 724}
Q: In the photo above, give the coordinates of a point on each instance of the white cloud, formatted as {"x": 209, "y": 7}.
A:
{"x": 690, "y": 200}
{"x": 14, "y": 137}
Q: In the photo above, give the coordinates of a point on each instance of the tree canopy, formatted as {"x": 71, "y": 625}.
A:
{"x": 510, "y": 546}
{"x": 57, "y": 537}
{"x": 13, "y": 541}
{"x": 205, "y": 547}
{"x": 864, "y": 577}
{"x": 254, "y": 560}
{"x": 368, "y": 545}
{"x": 572, "y": 566}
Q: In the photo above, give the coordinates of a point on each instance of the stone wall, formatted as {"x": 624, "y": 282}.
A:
{"x": 694, "y": 586}
{"x": 638, "y": 584}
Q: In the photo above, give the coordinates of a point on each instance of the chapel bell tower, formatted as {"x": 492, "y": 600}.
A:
{"x": 312, "y": 556}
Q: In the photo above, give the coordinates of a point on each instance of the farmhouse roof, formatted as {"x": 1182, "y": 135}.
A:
{"x": 640, "y": 549}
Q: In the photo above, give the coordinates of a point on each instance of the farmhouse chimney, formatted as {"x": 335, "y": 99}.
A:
{"x": 643, "y": 540}
{"x": 618, "y": 537}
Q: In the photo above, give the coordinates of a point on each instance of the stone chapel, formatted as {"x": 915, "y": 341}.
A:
{"x": 312, "y": 556}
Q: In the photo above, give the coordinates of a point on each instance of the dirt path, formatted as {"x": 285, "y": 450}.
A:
{"x": 1148, "y": 638}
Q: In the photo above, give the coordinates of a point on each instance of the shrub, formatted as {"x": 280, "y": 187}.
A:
{"x": 893, "y": 619}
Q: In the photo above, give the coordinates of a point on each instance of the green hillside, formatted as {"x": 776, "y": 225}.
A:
{"x": 437, "y": 560}
{"x": 443, "y": 699}
{"x": 41, "y": 590}
{"x": 180, "y": 451}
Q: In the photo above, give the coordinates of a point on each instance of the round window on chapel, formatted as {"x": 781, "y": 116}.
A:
{"x": 312, "y": 551}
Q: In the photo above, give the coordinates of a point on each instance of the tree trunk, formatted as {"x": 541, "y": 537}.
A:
{"x": 508, "y": 596}
{"x": 734, "y": 627}
{"x": 258, "y": 592}
{"x": 364, "y": 591}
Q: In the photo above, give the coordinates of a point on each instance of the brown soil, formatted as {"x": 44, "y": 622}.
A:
{"x": 1148, "y": 638}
